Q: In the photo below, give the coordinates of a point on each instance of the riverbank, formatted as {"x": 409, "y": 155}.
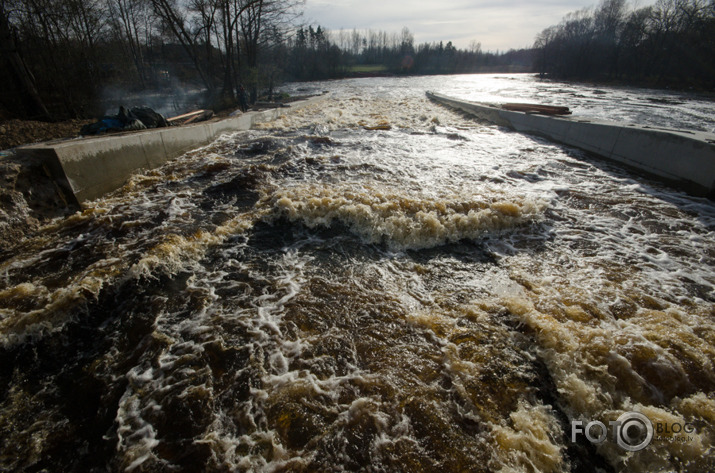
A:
{"x": 18, "y": 132}
{"x": 53, "y": 179}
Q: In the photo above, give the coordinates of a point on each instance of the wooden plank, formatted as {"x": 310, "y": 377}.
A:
{"x": 190, "y": 117}
{"x": 537, "y": 108}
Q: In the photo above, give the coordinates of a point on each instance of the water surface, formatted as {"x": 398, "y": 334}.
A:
{"x": 372, "y": 283}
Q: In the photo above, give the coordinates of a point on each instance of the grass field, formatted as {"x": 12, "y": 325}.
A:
{"x": 367, "y": 68}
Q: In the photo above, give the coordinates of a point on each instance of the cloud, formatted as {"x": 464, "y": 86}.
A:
{"x": 496, "y": 24}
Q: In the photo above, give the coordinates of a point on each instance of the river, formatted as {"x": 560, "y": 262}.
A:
{"x": 371, "y": 283}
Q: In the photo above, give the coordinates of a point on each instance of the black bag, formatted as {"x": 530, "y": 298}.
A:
{"x": 149, "y": 117}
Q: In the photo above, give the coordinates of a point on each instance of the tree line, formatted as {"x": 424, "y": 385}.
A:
{"x": 320, "y": 54}
{"x": 668, "y": 44}
{"x": 59, "y": 57}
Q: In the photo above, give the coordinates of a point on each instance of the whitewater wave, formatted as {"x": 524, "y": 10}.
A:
{"x": 401, "y": 220}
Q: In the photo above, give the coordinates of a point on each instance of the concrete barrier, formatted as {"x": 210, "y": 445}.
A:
{"x": 683, "y": 158}
{"x": 87, "y": 168}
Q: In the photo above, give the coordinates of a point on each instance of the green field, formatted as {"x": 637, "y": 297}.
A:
{"x": 369, "y": 68}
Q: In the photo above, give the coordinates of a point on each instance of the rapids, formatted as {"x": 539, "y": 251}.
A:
{"x": 372, "y": 283}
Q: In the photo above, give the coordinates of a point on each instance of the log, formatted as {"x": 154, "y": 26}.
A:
{"x": 191, "y": 117}
{"x": 537, "y": 108}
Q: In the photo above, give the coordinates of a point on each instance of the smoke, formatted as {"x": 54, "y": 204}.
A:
{"x": 169, "y": 101}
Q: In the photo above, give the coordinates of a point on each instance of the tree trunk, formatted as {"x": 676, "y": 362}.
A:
{"x": 21, "y": 76}
{"x": 176, "y": 24}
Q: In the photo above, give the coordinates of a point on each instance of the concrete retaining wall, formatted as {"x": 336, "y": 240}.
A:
{"x": 684, "y": 158}
{"x": 87, "y": 168}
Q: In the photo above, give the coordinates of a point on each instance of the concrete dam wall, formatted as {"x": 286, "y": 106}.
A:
{"x": 683, "y": 158}
{"x": 85, "y": 169}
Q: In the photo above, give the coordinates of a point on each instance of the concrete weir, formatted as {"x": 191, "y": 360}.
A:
{"x": 87, "y": 168}
{"x": 683, "y": 158}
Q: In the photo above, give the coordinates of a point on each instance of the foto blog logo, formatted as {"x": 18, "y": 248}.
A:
{"x": 632, "y": 431}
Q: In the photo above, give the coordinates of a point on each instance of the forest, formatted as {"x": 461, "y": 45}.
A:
{"x": 668, "y": 44}
{"x": 72, "y": 58}
{"x": 66, "y": 58}
{"x": 319, "y": 54}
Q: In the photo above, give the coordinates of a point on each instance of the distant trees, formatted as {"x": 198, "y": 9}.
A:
{"x": 320, "y": 54}
{"x": 59, "y": 57}
{"x": 669, "y": 43}
{"x": 313, "y": 56}
{"x": 62, "y": 58}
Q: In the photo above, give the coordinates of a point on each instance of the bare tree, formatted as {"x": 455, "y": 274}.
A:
{"x": 261, "y": 17}
{"x": 130, "y": 20}
{"x": 173, "y": 17}
{"x": 21, "y": 75}
{"x": 671, "y": 41}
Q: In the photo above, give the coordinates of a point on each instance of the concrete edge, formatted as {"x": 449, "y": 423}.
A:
{"x": 88, "y": 168}
{"x": 682, "y": 158}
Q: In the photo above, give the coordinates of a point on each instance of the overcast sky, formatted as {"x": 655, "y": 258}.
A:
{"x": 497, "y": 25}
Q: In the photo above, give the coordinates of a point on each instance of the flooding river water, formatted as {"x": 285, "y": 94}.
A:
{"x": 372, "y": 283}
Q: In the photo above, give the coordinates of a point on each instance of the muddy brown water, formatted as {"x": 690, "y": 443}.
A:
{"x": 328, "y": 294}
